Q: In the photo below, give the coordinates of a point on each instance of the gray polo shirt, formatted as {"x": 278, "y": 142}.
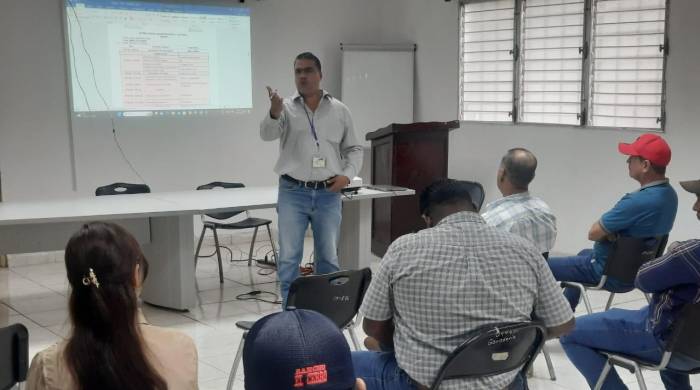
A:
{"x": 337, "y": 142}
{"x": 441, "y": 283}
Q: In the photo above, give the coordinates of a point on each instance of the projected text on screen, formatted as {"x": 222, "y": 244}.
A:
{"x": 147, "y": 58}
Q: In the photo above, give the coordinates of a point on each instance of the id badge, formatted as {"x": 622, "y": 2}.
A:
{"x": 318, "y": 162}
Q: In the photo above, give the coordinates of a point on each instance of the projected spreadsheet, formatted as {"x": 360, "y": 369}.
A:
{"x": 153, "y": 57}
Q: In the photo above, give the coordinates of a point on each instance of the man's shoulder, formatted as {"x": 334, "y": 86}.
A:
{"x": 337, "y": 103}
{"x": 408, "y": 241}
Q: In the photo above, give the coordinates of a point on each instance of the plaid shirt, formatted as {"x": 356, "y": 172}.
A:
{"x": 674, "y": 279}
{"x": 525, "y": 215}
{"x": 441, "y": 283}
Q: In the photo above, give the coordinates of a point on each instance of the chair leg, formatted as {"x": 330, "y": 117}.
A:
{"x": 586, "y": 301}
{"x": 236, "y": 362}
{"x": 548, "y": 360}
{"x": 272, "y": 243}
{"x": 252, "y": 246}
{"x": 353, "y": 336}
{"x": 199, "y": 245}
{"x": 640, "y": 378}
{"x": 603, "y": 375}
{"x": 610, "y": 301}
{"x": 218, "y": 255}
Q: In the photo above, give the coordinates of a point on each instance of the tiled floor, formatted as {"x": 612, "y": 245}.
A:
{"x": 35, "y": 295}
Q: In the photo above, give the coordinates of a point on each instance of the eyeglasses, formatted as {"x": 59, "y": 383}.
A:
{"x": 637, "y": 158}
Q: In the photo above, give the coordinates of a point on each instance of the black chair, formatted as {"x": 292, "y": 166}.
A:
{"x": 626, "y": 256}
{"x": 14, "y": 355}
{"x": 217, "y": 221}
{"x": 492, "y": 350}
{"x": 684, "y": 339}
{"x": 477, "y": 193}
{"x": 122, "y": 189}
{"x": 338, "y": 296}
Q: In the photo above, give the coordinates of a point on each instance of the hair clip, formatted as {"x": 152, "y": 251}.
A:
{"x": 91, "y": 279}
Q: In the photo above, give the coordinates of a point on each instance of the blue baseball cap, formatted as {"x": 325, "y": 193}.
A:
{"x": 297, "y": 349}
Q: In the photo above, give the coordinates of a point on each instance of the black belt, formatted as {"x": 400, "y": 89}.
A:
{"x": 308, "y": 184}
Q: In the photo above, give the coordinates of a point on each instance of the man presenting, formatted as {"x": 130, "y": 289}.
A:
{"x": 319, "y": 153}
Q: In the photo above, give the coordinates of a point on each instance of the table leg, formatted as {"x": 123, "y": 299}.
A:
{"x": 354, "y": 247}
{"x": 171, "y": 277}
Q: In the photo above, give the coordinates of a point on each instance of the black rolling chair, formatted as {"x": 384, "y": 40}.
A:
{"x": 492, "y": 350}
{"x": 14, "y": 355}
{"x": 626, "y": 256}
{"x": 338, "y": 296}
{"x": 122, "y": 189}
{"x": 684, "y": 339}
{"x": 217, "y": 221}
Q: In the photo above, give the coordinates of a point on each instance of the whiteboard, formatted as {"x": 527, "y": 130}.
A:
{"x": 377, "y": 85}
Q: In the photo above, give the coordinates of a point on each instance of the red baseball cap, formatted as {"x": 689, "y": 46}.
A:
{"x": 649, "y": 147}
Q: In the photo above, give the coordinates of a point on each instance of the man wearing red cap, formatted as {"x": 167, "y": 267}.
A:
{"x": 674, "y": 281}
{"x": 645, "y": 213}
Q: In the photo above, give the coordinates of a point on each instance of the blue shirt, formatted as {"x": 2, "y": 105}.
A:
{"x": 674, "y": 279}
{"x": 647, "y": 212}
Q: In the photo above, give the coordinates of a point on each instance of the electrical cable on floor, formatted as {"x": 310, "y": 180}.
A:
{"x": 231, "y": 259}
{"x": 265, "y": 268}
{"x": 254, "y": 296}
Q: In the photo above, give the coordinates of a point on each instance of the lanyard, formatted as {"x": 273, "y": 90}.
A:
{"x": 311, "y": 124}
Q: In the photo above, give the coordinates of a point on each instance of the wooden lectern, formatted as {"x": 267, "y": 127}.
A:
{"x": 413, "y": 156}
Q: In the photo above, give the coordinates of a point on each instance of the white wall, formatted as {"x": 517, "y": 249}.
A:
{"x": 35, "y": 148}
{"x": 580, "y": 174}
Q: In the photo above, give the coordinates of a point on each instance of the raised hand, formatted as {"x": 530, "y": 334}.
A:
{"x": 276, "y": 105}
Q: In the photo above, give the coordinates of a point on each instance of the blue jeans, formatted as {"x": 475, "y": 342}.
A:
{"x": 623, "y": 331}
{"x": 380, "y": 371}
{"x": 297, "y": 206}
{"x": 580, "y": 268}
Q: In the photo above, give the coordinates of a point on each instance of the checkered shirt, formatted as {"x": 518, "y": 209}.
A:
{"x": 441, "y": 283}
{"x": 526, "y": 216}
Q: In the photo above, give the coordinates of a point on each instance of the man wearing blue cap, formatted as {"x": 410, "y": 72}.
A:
{"x": 298, "y": 349}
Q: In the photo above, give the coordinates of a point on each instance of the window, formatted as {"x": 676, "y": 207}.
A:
{"x": 551, "y": 61}
{"x": 573, "y": 62}
{"x": 627, "y": 58}
{"x": 487, "y": 61}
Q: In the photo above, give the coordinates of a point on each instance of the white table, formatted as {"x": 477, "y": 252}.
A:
{"x": 163, "y": 224}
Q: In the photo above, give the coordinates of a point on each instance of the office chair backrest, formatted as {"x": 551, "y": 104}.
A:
{"x": 221, "y": 184}
{"x": 476, "y": 192}
{"x": 122, "y": 189}
{"x": 338, "y": 296}
{"x": 685, "y": 337}
{"x": 493, "y": 349}
{"x": 14, "y": 355}
{"x": 629, "y": 253}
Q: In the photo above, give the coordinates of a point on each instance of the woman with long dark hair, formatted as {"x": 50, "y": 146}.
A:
{"x": 111, "y": 346}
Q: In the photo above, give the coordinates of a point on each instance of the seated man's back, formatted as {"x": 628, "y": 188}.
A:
{"x": 518, "y": 211}
{"x": 441, "y": 283}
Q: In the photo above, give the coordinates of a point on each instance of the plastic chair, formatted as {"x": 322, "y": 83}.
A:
{"x": 122, "y": 189}
{"x": 14, "y": 355}
{"x": 626, "y": 256}
{"x": 684, "y": 339}
{"x": 492, "y": 350}
{"x": 218, "y": 221}
{"x": 338, "y": 296}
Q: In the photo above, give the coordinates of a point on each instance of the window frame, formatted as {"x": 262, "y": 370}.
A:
{"x": 586, "y": 77}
